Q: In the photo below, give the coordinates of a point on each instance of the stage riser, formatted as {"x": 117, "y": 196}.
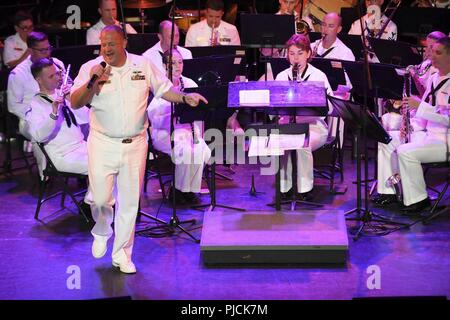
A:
{"x": 273, "y": 257}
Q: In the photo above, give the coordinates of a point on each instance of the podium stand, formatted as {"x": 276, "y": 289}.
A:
{"x": 216, "y": 109}
{"x": 355, "y": 117}
{"x": 282, "y": 98}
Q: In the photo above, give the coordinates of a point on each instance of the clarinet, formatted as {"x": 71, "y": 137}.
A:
{"x": 194, "y": 136}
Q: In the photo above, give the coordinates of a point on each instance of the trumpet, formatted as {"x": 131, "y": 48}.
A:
{"x": 214, "y": 36}
{"x": 302, "y": 27}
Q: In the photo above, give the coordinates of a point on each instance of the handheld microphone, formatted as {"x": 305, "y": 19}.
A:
{"x": 95, "y": 76}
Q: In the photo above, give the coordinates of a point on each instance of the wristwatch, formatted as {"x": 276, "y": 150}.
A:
{"x": 54, "y": 116}
{"x": 184, "y": 99}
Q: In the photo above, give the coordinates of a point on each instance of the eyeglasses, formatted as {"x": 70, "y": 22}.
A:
{"x": 26, "y": 28}
{"x": 43, "y": 49}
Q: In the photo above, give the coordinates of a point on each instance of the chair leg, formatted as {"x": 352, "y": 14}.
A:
{"x": 64, "y": 192}
{"x": 158, "y": 173}
{"x": 78, "y": 205}
{"x": 438, "y": 200}
{"x": 42, "y": 185}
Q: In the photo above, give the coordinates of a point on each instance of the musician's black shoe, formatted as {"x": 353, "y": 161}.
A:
{"x": 286, "y": 195}
{"x": 305, "y": 196}
{"x": 384, "y": 199}
{"x": 417, "y": 207}
{"x": 191, "y": 198}
{"x": 179, "y": 197}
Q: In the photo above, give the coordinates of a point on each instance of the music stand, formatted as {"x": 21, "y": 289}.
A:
{"x": 395, "y": 52}
{"x": 76, "y": 56}
{"x": 285, "y": 98}
{"x": 217, "y": 51}
{"x": 354, "y": 43}
{"x": 266, "y": 30}
{"x": 225, "y": 69}
{"x": 387, "y": 83}
{"x": 355, "y": 117}
{"x": 216, "y": 109}
{"x": 138, "y": 43}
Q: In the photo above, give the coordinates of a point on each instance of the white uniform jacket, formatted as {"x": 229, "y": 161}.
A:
{"x": 14, "y": 48}
{"x": 154, "y": 55}
{"x": 199, "y": 34}
{"x": 119, "y": 110}
{"x": 93, "y": 33}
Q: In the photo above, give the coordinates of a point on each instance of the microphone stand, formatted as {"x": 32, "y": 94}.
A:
{"x": 124, "y": 26}
{"x": 369, "y": 225}
{"x": 174, "y": 222}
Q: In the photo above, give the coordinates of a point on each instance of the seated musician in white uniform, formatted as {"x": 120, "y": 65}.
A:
{"x": 373, "y": 21}
{"x": 190, "y": 150}
{"x": 422, "y": 73}
{"x": 16, "y": 49}
{"x": 155, "y": 53}
{"x": 299, "y": 52}
{"x": 419, "y": 74}
{"x": 291, "y": 7}
{"x": 51, "y": 121}
{"x": 108, "y": 16}
{"x": 212, "y": 31}
{"x": 427, "y": 146}
{"x": 331, "y": 47}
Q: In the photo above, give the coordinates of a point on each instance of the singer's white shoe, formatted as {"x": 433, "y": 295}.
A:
{"x": 99, "y": 246}
{"x": 125, "y": 267}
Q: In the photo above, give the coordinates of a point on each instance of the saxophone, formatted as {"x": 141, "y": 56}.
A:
{"x": 316, "y": 47}
{"x": 405, "y": 126}
{"x": 394, "y": 182}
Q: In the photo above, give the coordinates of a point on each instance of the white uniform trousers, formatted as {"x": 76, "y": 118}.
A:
{"x": 410, "y": 158}
{"x": 189, "y": 158}
{"x": 121, "y": 165}
{"x": 305, "y": 165}
{"x": 388, "y": 159}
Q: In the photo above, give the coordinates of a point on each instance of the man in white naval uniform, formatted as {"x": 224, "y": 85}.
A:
{"x": 117, "y": 142}
{"x": 330, "y": 46}
{"x": 299, "y": 51}
{"x": 155, "y": 53}
{"x": 290, "y": 7}
{"x": 429, "y": 146}
{"x": 108, "y": 16}
{"x": 425, "y": 70}
{"x": 372, "y": 22}
{"x": 16, "y": 49}
{"x": 213, "y": 30}
{"x": 22, "y": 86}
{"x": 51, "y": 121}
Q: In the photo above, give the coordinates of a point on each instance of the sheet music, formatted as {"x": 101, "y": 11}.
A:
{"x": 276, "y": 145}
{"x": 254, "y": 98}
